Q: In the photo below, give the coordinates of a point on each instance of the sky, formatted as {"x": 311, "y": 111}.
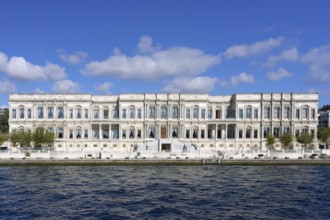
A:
{"x": 106, "y": 47}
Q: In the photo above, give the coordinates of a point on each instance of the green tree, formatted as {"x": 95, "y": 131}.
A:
{"x": 305, "y": 139}
{"x": 270, "y": 141}
{"x": 38, "y": 137}
{"x": 3, "y": 138}
{"x": 15, "y": 138}
{"x": 325, "y": 108}
{"x": 4, "y": 126}
{"x": 286, "y": 140}
{"x": 323, "y": 134}
{"x": 25, "y": 139}
{"x": 49, "y": 138}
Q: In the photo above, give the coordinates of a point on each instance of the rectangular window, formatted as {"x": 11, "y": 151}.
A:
{"x": 60, "y": 112}
{"x": 29, "y": 113}
{"x": 187, "y": 113}
{"x": 240, "y": 133}
{"x": 286, "y": 113}
{"x": 175, "y": 112}
{"x": 187, "y": 133}
{"x": 152, "y": 132}
{"x": 21, "y": 113}
{"x": 115, "y": 114}
{"x": 40, "y": 112}
{"x": 50, "y": 112}
{"x": 70, "y": 133}
{"x": 297, "y": 113}
{"x": 267, "y": 112}
{"x": 78, "y": 113}
{"x": 96, "y": 133}
{"x": 241, "y": 113}
{"x": 248, "y": 133}
{"x": 124, "y": 133}
{"x": 218, "y": 114}
{"x": 60, "y": 133}
{"x": 248, "y": 113}
{"x": 255, "y": 133}
{"x": 277, "y": 112}
{"x": 132, "y": 113}
{"x": 297, "y": 133}
{"x": 266, "y": 132}
{"x": 209, "y": 114}
{"x": 195, "y": 115}
{"x": 71, "y": 113}
{"x": 255, "y": 113}
{"x": 96, "y": 114}
{"x": 152, "y": 111}
{"x": 175, "y": 132}
{"x": 86, "y": 113}
{"x": 305, "y": 113}
{"x": 286, "y": 130}
{"x": 124, "y": 114}
{"x": 139, "y": 113}
{"x": 276, "y": 132}
{"x": 202, "y": 133}
{"x": 231, "y": 113}
{"x": 14, "y": 113}
{"x": 106, "y": 114}
{"x": 139, "y": 133}
{"x": 78, "y": 133}
{"x": 203, "y": 114}
{"x": 313, "y": 113}
{"x": 163, "y": 112}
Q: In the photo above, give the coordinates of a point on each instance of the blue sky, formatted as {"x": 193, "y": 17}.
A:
{"x": 214, "y": 47}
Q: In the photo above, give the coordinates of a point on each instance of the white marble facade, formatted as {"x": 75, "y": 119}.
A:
{"x": 126, "y": 120}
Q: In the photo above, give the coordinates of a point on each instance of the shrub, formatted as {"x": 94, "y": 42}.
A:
{"x": 260, "y": 155}
{"x": 299, "y": 158}
{"x": 126, "y": 158}
{"x": 287, "y": 158}
{"x": 66, "y": 158}
{"x": 27, "y": 154}
{"x": 274, "y": 158}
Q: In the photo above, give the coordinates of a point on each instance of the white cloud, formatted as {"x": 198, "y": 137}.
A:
{"x": 66, "y": 86}
{"x": 20, "y": 69}
{"x": 190, "y": 85}
{"x": 7, "y": 87}
{"x": 290, "y": 55}
{"x": 259, "y": 47}
{"x": 171, "y": 62}
{"x": 74, "y": 58}
{"x": 38, "y": 90}
{"x": 242, "y": 78}
{"x": 318, "y": 60}
{"x": 278, "y": 75}
{"x": 145, "y": 44}
{"x": 104, "y": 87}
{"x": 237, "y": 79}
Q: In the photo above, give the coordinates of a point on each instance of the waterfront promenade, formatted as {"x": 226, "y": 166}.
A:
{"x": 106, "y": 157}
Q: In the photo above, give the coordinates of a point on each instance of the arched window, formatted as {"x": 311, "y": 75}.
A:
{"x": 21, "y": 112}
{"x": 78, "y": 112}
{"x": 132, "y": 112}
{"x": 248, "y": 112}
{"x": 196, "y": 112}
{"x": 131, "y": 132}
{"x": 195, "y": 132}
{"x": 305, "y": 111}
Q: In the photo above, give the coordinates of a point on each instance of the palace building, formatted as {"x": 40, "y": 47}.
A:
{"x": 239, "y": 121}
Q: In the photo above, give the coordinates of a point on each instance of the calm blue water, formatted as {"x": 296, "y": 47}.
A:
{"x": 165, "y": 192}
